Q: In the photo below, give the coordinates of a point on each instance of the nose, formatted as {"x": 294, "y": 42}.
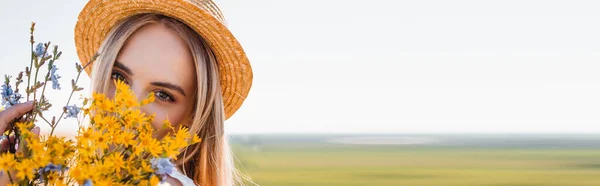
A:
{"x": 140, "y": 93}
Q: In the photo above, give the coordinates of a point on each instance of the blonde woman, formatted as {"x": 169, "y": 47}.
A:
{"x": 181, "y": 52}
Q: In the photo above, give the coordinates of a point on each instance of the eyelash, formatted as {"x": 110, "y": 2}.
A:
{"x": 159, "y": 95}
{"x": 168, "y": 97}
{"x": 118, "y": 76}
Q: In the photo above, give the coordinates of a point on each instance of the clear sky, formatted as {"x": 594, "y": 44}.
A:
{"x": 381, "y": 66}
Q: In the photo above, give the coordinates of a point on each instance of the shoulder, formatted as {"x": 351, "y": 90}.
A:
{"x": 176, "y": 178}
{"x": 172, "y": 182}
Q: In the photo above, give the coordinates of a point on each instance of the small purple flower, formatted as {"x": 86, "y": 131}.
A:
{"x": 9, "y": 97}
{"x": 72, "y": 111}
{"x": 54, "y": 78}
{"x": 88, "y": 182}
{"x": 6, "y": 91}
{"x": 50, "y": 168}
{"x": 39, "y": 50}
{"x": 162, "y": 165}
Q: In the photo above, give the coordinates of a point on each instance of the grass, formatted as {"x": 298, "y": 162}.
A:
{"x": 321, "y": 164}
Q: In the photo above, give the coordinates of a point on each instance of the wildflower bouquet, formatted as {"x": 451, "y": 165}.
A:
{"x": 117, "y": 147}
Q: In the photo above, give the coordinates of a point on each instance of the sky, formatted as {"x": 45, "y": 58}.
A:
{"x": 381, "y": 66}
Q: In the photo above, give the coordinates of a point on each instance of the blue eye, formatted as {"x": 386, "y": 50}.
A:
{"x": 163, "y": 96}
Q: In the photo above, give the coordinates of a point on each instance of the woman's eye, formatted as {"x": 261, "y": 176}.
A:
{"x": 118, "y": 76}
{"x": 163, "y": 96}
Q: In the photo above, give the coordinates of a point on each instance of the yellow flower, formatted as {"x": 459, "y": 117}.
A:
{"x": 154, "y": 180}
{"x": 137, "y": 151}
{"x": 148, "y": 99}
{"x": 85, "y": 151}
{"x": 181, "y": 136}
{"x": 116, "y": 148}
{"x": 24, "y": 128}
{"x": 34, "y": 144}
{"x": 144, "y": 182}
{"x": 80, "y": 173}
{"x": 86, "y": 111}
{"x": 117, "y": 161}
{"x": 101, "y": 104}
{"x": 7, "y": 161}
{"x": 25, "y": 169}
{"x": 124, "y": 97}
{"x": 151, "y": 145}
{"x": 102, "y": 182}
{"x": 106, "y": 106}
{"x": 169, "y": 149}
{"x": 54, "y": 179}
{"x": 39, "y": 159}
{"x": 85, "y": 136}
{"x": 19, "y": 154}
{"x": 128, "y": 138}
{"x": 121, "y": 86}
{"x": 145, "y": 166}
{"x": 101, "y": 140}
{"x": 134, "y": 118}
{"x": 196, "y": 139}
{"x": 68, "y": 147}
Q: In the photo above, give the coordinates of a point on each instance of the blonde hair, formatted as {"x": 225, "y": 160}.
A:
{"x": 209, "y": 162}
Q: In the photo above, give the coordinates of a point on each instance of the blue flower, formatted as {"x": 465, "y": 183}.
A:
{"x": 54, "y": 78}
{"x": 162, "y": 165}
{"x": 6, "y": 91}
{"x": 9, "y": 97}
{"x": 72, "y": 111}
{"x": 39, "y": 50}
{"x": 50, "y": 168}
{"x": 87, "y": 182}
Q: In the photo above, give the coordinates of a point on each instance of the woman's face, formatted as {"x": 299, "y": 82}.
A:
{"x": 154, "y": 60}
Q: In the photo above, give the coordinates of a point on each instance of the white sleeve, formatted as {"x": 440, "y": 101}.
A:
{"x": 185, "y": 181}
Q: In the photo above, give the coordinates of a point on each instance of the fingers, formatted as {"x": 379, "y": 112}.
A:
{"x": 14, "y": 112}
{"x": 36, "y": 131}
{"x": 4, "y": 144}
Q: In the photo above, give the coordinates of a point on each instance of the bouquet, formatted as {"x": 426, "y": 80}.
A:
{"x": 116, "y": 147}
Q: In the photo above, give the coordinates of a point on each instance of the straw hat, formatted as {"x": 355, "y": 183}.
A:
{"x": 99, "y": 16}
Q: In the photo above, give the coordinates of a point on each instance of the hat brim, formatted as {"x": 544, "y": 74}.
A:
{"x": 98, "y": 17}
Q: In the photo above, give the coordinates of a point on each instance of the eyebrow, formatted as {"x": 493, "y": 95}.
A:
{"x": 169, "y": 86}
{"x": 123, "y": 67}
{"x": 159, "y": 84}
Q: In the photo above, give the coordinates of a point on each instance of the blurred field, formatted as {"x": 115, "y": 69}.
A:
{"x": 302, "y": 160}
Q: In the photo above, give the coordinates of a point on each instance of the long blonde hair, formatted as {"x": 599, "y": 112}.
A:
{"x": 209, "y": 162}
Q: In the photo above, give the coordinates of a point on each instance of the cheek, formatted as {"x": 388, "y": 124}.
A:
{"x": 110, "y": 94}
{"x": 174, "y": 113}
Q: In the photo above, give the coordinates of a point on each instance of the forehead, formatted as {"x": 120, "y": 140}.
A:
{"x": 157, "y": 53}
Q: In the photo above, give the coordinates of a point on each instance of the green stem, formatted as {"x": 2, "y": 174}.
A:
{"x": 46, "y": 120}
{"x": 73, "y": 91}
{"x": 29, "y": 74}
{"x": 68, "y": 101}
{"x": 10, "y": 177}
{"x": 37, "y": 69}
{"x": 44, "y": 89}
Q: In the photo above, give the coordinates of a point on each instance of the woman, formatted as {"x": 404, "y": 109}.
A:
{"x": 181, "y": 52}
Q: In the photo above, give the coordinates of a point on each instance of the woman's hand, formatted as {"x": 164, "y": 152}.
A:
{"x": 7, "y": 116}
{"x": 14, "y": 112}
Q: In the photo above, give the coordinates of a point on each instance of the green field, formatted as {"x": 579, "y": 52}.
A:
{"x": 320, "y": 163}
